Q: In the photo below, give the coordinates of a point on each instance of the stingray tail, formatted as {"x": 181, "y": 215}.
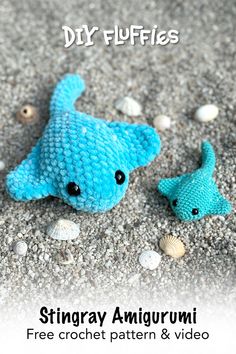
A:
{"x": 208, "y": 157}
{"x": 66, "y": 93}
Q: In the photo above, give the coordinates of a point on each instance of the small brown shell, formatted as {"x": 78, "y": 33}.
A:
{"x": 172, "y": 246}
{"x": 28, "y": 114}
{"x": 65, "y": 257}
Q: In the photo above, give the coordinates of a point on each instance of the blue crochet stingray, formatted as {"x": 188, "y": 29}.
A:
{"x": 195, "y": 195}
{"x": 83, "y": 160}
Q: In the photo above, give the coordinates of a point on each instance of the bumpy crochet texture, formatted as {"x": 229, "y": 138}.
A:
{"x": 195, "y": 195}
{"x": 83, "y": 160}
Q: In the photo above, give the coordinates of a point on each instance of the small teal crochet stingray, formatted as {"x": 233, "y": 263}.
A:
{"x": 83, "y": 160}
{"x": 195, "y": 195}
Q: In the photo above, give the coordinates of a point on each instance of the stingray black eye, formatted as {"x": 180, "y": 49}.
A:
{"x": 120, "y": 177}
{"x": 174, "y": 203}
{"x": 195, "y": 211}
{"x": 73, "y": 189}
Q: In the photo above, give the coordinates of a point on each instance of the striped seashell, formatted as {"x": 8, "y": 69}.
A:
{"x": 172, "y": 246}
{"x": 63, "y": 229}
{"x": 129, "y": 106}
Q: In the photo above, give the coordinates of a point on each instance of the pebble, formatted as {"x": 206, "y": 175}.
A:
{"x": 82, "y": 272}
{"x": 20, "y": 248}
{"x": 108, "y": 264}
{"x": 149, "y": 259}
{"x": 9, "y": 239}
{"x": 41, "y": 257}
{"x": 46, "y": 257}
{"x": 31, "y": 273}
{"x": 57, "y": 269}
{"x": 108, "y": 232}
{"x": 206, "y": 113}
{"x": 2, "y": 165}
{"x": 162, "y": 122}
{"x": 35, "y": 248}
{"x": 120, "y": 228}
{"x": 128, "y": 106}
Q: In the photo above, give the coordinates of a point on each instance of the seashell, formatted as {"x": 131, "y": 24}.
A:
{"x": 63, "y": 229}
{"x": 2, "y": 165}
{"x": 172, "y": 246}
{"x": 27, "y": 114}
{"x": 149, "y": 259}
{"x": 206, "y": 113}
{"x": 162, "y": 122}
{"x": 20, "y": 248}
{"x": 129, "y": 106}
{"x": 65, "y": 257}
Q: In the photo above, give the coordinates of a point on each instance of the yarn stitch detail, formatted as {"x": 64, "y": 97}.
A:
{"x": 78, "y": 150}
{"x": 195, "y": 195}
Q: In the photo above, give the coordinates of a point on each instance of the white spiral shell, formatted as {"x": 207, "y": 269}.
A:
{"x": 20, "y": 248}
{"x": 149, "y": 259}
